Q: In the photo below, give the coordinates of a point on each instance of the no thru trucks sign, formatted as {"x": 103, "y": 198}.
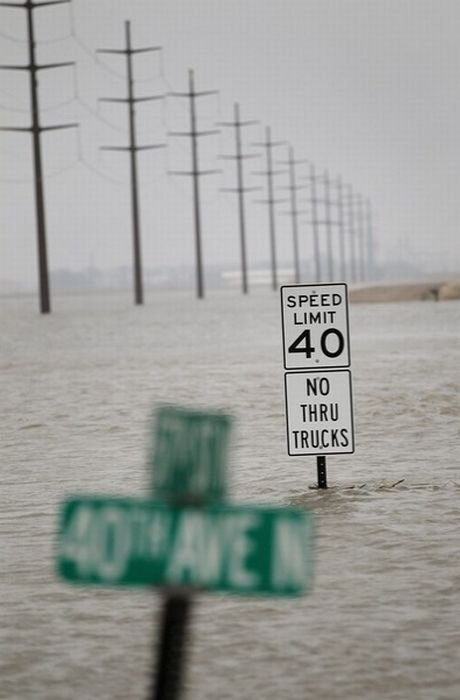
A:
{"x": 319, "y": 416}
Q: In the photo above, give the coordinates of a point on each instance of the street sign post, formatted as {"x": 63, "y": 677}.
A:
{"x": 316, "y": 350}
{"x": 187, "y": 465}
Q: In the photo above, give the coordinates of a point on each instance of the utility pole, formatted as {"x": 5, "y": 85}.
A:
{"x": 370, "y": 240}
{"x": 36, "y": 129}
{"x": 351, "y": 231}
{"x": 196, "y": 173}
{"x": 240, "y": 189}
{"x": 132, "y": 149}
{"x": 328, "y": 224}
{"x": 361, "y": 237}
{"x": 269, "y": 145}
{"x": 293, "y": 187}
{"x": 313, "y": 200}
{"x": 341, "y": 224}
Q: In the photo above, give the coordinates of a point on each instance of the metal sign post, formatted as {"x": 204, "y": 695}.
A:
{"x": 187, "y": 465}
{"x": 322, "y": 473}
{"x": 171, "y": 648}
{"x": 316, "y": 351}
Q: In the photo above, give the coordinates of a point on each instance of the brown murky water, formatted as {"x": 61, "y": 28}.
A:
{"x": 78, "y": 389}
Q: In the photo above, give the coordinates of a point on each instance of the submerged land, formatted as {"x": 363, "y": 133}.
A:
{"x": 414, "y": 291}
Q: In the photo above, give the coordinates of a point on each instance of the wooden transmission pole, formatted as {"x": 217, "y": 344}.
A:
{"x": 133, "y": 149}
{"x": 313, "y": 201}
{"x": 294, "y": 212}
{"x": 341, "y": 223}
{"x": 361, "y": 237}
{"x": 36, "y": 130}
{"x": 370, "y": 240}
{"x": 328, "y": 224}
{"x": 240, "y": 189}
{"x": 352, "y": 232}
{"x": 269, "y": 145}
{"x": 195, "y": 173}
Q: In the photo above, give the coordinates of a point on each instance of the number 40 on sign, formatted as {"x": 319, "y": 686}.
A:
{"x": 315, "y": 326}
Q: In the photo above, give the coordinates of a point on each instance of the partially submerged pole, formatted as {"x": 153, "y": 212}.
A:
{"x": 322, "y": 473}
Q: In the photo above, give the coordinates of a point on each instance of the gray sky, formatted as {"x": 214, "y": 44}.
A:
{"x": 368, "y": 89}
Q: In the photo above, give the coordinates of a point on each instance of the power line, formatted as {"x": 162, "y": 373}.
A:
{"x": 88, "y": 50}
{"x": 14, "y": 180}
{"x": 92, "y": 168}
{"x": 21, "y": 110}
{"x": 10, "y": 37}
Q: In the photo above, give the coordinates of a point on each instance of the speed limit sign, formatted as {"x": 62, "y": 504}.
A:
{"x": 315, "y": 326}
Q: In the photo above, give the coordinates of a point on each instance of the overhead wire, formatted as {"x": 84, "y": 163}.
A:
{"x": 77, "y": 98}
{"x": 7, "y": 108}
{"x": 14, "y": 180}
{"x": 10, "y": 37}
{"x": 92, "y": 54}
{"x": 91, "y": 167}
{"x": 95, "y": 112}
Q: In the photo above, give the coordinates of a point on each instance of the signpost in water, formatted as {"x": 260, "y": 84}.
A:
{"x": 185, "y": 538}
{"x": 319, "y": 410}
{"x": 319, "y": 417}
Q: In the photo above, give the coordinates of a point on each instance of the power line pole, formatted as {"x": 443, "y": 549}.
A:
{"x": 36, "y": 129}
{"x": 328, "y": 225}
{"x": 341, "y": 224}
{"x": 132, "y": 149}
{"x": 370, "y": 240}
{"x": 313, "y": 201}
{"x": 293, "y": 187}
{"x": 269, "y": 145}
{"x": 361, "y": 236}
{"x": 351, "y": 231}
{"x": 196, "y": 173}
{"x": 237, "y": 124}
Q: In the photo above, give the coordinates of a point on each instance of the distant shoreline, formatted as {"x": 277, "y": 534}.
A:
{"x": 383, "y": 292}
{"x": 416, "y": 291}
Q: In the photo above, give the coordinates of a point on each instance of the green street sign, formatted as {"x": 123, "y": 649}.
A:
{"x": 188, "y": 458}
{"x": 238, "y": 549}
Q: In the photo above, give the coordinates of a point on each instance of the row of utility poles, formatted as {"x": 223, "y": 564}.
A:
{"x": 352, "y": 217}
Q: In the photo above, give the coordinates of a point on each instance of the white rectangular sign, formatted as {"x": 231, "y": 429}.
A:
{"x": 319, "y": 414}
{"x": 315, "y": 326}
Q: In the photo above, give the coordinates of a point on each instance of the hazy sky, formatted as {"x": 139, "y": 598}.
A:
{"x": 368, "y": 89}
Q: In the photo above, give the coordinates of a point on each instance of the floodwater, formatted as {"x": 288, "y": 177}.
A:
{"x": 78, "y": 389}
